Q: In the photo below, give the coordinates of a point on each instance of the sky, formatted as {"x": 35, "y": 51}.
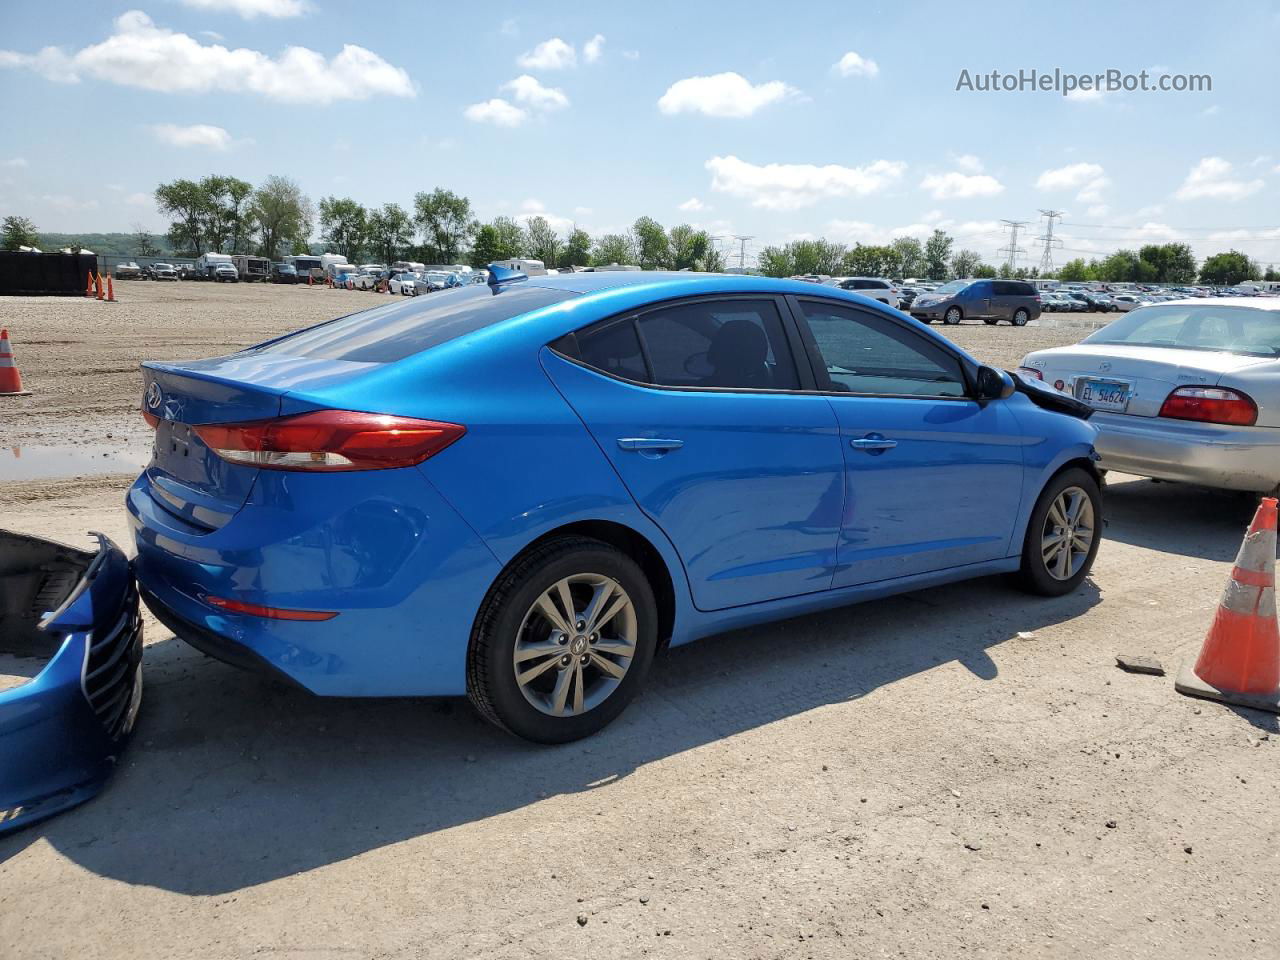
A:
{"x": 768, "y": 121}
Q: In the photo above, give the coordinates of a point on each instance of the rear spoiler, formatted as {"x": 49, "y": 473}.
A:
{"x": 1050, "y": 399}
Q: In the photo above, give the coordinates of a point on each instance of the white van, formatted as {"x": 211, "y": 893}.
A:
{"x": 530, "y": 268}
{"x": 216, "y": 266}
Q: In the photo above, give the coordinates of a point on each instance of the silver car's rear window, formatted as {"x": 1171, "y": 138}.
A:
{"x": 392, "y": 332}
{"x": 1189, "y": 326}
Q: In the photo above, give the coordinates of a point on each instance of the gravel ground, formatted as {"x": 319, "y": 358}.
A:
{"x": 957, "y": 772}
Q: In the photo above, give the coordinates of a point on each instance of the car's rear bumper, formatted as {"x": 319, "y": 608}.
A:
{"x": 1232, "y": 458}
{"x": 402, "y": 571}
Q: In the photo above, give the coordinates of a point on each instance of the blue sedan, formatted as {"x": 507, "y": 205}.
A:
{"x": 521, "y": 490}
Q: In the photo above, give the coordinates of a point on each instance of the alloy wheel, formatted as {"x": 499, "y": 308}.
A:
{"x": 575, "y": 644}
{"x": 1068, "y": 534}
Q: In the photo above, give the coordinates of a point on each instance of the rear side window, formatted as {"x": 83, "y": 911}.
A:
{"x": 873, "y": 355}
{"x": 398, "y": 330}
{"x": 614, "y": 348}
{"x": 728, "y": 343}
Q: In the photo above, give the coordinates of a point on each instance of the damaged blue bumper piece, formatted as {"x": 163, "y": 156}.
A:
{"x": 70, "y": 673}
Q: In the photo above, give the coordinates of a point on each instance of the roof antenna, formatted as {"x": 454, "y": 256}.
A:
{"x": 500, "y": 276}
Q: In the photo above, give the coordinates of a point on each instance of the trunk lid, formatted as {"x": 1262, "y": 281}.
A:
{"x": 186, "y": 477}
{"x": 1151, "y": 373}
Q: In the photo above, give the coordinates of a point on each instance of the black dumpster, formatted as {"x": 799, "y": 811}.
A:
{"x": 45, "y": 274}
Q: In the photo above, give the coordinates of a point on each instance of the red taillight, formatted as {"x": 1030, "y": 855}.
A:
{"x": 1210, "y": 405}
{"x": 330, "y": 440}
{"x": 152, "y": 420}
{"x": 271, "y": 613}
{"x": 1031, "y": 372}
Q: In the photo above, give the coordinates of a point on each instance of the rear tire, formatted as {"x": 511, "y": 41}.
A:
{"x": 576, "y": 682}
{"x": 1020, "y": 317}
{"x": 1057, "y": 524}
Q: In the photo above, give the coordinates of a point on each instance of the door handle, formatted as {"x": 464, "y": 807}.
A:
{"x": 873, "y": 443}
{"x": 649, "y": 443}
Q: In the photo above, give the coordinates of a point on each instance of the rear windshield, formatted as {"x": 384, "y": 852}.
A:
{"x": 397, "y": 330}
{"x": 1188, "y": 326}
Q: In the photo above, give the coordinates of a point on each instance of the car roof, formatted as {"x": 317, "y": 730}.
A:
{"x": 1257, "y": 303}
{"x": 672, "y": 283}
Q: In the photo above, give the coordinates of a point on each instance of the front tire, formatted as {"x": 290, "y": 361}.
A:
{"x": 563, "y": 642}
{"x": 1063, "y": 535}
{"x": 953, "y": 316}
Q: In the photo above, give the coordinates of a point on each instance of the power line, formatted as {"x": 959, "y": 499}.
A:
{"x": 1046, "y": 258}
{"x": 742, "y": 252}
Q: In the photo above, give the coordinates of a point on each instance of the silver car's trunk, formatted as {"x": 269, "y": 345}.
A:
{"x": 1151, "y": 372}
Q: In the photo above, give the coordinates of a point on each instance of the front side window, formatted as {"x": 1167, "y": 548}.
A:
{"x": 873, "y": 355}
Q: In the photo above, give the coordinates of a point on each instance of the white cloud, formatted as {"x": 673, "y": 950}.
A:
{"x": 553, "y": 54}
{"x": 139, "y": 199}
{"x": 957, "y": 185}
{"x": 15, "y": 162}
{"x": 854, "y": 65}
{"x": 1098, "y": 210}
{"x": 1089, "y": 178}
{"x": 969, "y": 163}
{"x": 249, "y": 9}
{"x": 790, "y": 186}
{"x": 60, "y": 201}
{"x": 196, "y": 135}
{"x": 140, "y": 54}
{"x": 722, "y": 95}
{"x": 529, "y": 91}
{"x": 593, "y": 49}
{"x": 1085, "y": 96}
{"x": 693, "y": 205}
{"x": 536, "y": 208}
{"x": 1211, "y": 178}
{"x": 213, "y": 35}
{"x": 583, "y": 211}
{"x": 497, "y": 111}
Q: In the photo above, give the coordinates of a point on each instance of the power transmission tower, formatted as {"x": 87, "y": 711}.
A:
{"x": 1046, "y": 258}
{"x": 1013, "y": 250}
{"x": 742, "y": 251}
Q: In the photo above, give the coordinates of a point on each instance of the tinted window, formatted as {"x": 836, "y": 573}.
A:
{"x": 1009, "y": 288}
{"x": 613, "y": 348}
{"x": 723, "y": 343}
{"x": 873, "y": 355}
{"x": 393, "y": 332}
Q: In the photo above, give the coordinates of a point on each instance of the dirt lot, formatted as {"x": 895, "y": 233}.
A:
{"x": 957, "y": 772}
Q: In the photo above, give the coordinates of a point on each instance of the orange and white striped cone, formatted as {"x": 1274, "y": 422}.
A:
{"x": 100, "y": 291}
{"x": 10, "y": 378}
{"x": 88, "y": 287}
{"x": 111, "y": 291}
{"x": 1240, "y": 660}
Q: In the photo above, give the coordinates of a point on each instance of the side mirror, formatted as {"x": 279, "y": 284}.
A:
{"x": 994, "y": 384}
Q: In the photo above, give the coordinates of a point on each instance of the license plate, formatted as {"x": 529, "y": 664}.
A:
{"x": 1103, "y": 394}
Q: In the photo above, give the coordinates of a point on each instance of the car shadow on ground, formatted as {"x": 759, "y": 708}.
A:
{"x": 233, "y": 780}
{"x": 1177, "y": 518}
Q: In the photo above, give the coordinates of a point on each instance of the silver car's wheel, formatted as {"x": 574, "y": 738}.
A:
{"x": 575, "y": 644}
{"x": 1067, "y": 537}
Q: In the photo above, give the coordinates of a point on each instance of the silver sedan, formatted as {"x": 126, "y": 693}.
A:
{"x": 1187, "y": 390}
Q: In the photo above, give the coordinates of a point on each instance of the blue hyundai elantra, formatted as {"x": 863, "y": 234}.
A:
{"x": 521, "y": 490}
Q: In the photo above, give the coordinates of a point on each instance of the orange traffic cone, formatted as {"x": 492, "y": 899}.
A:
{"x": 88, "y": 289}
{"x": 1240, "y": 660}
{"x": 10, "y": 378}
{"x": 100, "y": 297}
{"x": 111, "y": 291}
{"x": 310, "y": 280}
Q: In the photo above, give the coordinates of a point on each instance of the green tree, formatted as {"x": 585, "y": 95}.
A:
{"x": 1172, "y": 262}
{"x": 542, "y": 243}
{"x": 1074, "y": 271}
{"x": 187, "y": 205}
{"x": 1271, "y": 274}
{"x": 776, "y": 262}
{"x": 144, "y": 244}
{"x": 652, "y": 244}
{"x": 17, "y": 232}
{"x": 984, "y": 271}
{"x": 613, "y": 248}
{"x": 232, "y": 198}
{"x": 503, "y": 239}
{"x": 577, "y": 249}
{"x": 864, "y": 260}
{"x": 965, "y": 262}
{"x": 689, "y": 248}
{"x": 446, "y": 223}
{"x": 344, "y": 225}
{"x": 389, "y": 230}
{"x": 1228, "y": 269}
{"x": 714, "y": 260}
{"x": 282, "y": 214}
{"x": 1125, "y": 266}
{"x": 910, "y": 256}
{"x": 937, "y": 253}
